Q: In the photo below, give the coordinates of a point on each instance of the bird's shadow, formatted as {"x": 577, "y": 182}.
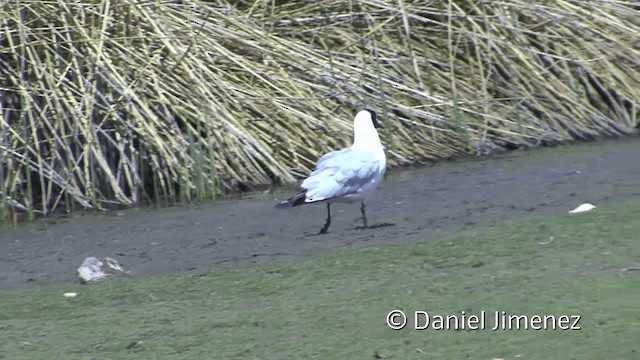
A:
{"x": 374, "y": 226}
{"x": 306, "y": 235}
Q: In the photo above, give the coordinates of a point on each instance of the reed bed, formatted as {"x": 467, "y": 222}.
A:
{"x": 122, "y": 102}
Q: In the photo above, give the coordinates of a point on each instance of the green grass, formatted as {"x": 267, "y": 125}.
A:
{"x": 334, "y": 306}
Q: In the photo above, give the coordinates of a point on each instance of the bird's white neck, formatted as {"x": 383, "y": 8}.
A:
{"x": 366, "y": 138}
{"x": 365, "y": 135}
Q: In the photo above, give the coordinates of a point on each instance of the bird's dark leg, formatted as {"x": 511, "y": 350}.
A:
{"x": 325, "y": 228}
{"x": 364, "y": 220}
{"x": 364, "y": 215}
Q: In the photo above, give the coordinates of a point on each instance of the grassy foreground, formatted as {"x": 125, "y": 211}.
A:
{"x": 334, "y": 306}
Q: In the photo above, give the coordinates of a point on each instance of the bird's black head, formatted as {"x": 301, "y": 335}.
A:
{"x": 374, "y": 118}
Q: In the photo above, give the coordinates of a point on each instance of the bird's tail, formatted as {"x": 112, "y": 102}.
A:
{"x": 295, "y": 200}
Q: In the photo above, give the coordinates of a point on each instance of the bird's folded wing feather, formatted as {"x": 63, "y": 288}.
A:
{"x": 341, "y": 173}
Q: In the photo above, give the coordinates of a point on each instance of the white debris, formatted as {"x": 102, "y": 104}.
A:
{"x": 93, "y": 269}
{"x": 113, "y": 264}
{"x": 582, "y": 208}
{"x": 551, "y": 239}
{"x": 70, "y": 294}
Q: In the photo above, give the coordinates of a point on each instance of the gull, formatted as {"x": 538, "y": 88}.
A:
{"x": 348, "y": 175}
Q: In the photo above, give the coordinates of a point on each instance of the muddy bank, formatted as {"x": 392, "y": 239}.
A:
{"x": 421, "y": 203}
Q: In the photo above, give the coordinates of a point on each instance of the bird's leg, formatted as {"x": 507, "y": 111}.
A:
{"x": 364, "y": 215}
{"x": 364, "y": 220}
{"x": 325, "y": 228}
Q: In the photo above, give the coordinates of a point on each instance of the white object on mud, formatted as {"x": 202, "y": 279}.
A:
{"x": 582, "y": 208}
{"x": 93, "y": 269}
{"x": 70, "y": 294}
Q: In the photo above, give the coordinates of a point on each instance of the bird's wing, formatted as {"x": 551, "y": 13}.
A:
{"x": 340, "y": 173}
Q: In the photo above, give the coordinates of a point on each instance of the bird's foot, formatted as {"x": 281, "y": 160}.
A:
{"x": 323, "y": 231}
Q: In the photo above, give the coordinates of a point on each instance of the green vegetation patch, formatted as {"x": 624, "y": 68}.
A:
{"x": 335, "y": 306}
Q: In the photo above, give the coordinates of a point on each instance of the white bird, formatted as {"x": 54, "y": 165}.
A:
{"x": 348, "y": 175}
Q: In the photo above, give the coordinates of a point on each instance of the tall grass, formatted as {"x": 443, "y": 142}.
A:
{"x": 125, "y": 102}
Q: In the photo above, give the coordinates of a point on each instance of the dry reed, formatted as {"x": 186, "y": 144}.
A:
{"x": 125, "y": 101}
